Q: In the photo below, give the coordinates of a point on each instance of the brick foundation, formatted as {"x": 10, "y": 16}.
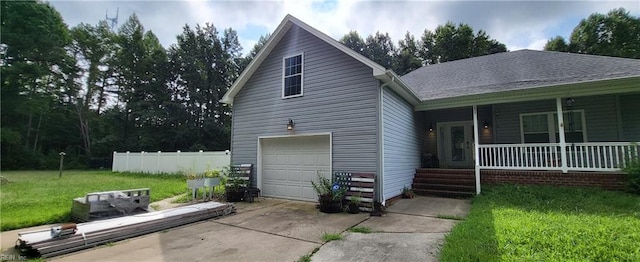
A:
{"x": 606, "y": 180}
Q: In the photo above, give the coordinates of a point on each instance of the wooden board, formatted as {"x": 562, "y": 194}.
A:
{"x": 99, "y": 232}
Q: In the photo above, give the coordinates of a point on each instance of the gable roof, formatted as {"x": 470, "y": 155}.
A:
{"x": 515, "y": 71}
{"x": 379, "y": 72}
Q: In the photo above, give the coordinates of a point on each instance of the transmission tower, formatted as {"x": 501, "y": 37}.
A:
{"x": 113, "y": 21}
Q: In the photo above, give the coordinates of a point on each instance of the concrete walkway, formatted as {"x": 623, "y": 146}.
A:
{"x": 411, "y": 230}
{"x": 284, "y": 230}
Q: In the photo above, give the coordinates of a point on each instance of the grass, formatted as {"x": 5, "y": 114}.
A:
{"x": 535, "y": 223}
{"x": 305, "y": 258}
{"x": 218, "y": 193}
{"x": 34, "y": 198}
{"x": 452, "y": 217}
{"x": 326, "y": 237}
{"x": 364, "y": 230}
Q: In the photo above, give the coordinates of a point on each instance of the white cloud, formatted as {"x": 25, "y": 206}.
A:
{"x": 518, "y": 24}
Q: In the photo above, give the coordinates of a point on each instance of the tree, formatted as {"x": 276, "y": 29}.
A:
{"x": 380, "y": 49}
{"x": 93, "y": 47}
{"x": 615, "y": 34}
{"x": 141, "y": 80}
{"x": 449, "y": 42}
{"x": 355, "y": 42}
{"x": 244, "y": 62}
{"x": 557, "y": 44}
{"x": 204, "y": 65}
{"x": 35, "y": 69}
{"x": 408, "y": 56}
{"x": 427, "y": 51}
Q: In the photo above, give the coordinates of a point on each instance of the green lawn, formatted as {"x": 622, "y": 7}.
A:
{"x": 535, "y": 223}
{"x": 34, "y": 198}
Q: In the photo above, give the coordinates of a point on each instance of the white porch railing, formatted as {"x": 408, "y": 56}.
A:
{"x": 594, "y": 156}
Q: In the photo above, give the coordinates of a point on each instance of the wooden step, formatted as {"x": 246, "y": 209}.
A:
{"x": 470, "y": 172}
{"x": 458, "y": 183}
{"x": 449, "y": 187}
{"x": 444, "y": 193}
{"x": 444, "y": 180}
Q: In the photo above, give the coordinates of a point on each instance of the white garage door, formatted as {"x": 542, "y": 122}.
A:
{"x": 290, "y": 164}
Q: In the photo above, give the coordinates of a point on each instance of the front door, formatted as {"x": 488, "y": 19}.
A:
{"x": 455, "y": 143}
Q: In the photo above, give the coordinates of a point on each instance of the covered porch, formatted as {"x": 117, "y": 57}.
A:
{"x": 529, "y": 112}
{"x": 538, "y": 138}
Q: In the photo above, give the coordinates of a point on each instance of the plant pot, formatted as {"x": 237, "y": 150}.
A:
{"x": 328, "y": 205}
{"x": 195, "y": 183}
{"x": 234, "y": 195}
{"x": 409, "y": 196}
{"x": 354, "y": 208}
{"x": 211, "y": 181}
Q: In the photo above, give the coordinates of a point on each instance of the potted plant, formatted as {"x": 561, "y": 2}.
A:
{"x": 211, "y": 180}
{"x": 407, "y": 192}
{"x": 235, "y": 187}
{"x": 212, "y": 177}
{"x": 194, "y": 181}
{"x": 354, "y": 205}
{"x": 329, "y": 195}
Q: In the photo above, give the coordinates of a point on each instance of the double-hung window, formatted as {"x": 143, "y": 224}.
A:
{"x": 292, "y": 76}
{"x": 543, "y": 127}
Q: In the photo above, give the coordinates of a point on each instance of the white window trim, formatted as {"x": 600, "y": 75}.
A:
{"x": 301, "y": 76}
{"x": 552, "y": 125}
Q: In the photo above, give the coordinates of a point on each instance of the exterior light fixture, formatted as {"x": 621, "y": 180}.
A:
{"x": 485, "y": 124}
{"x": 570, "y": 102}
{"x": 290, "y": 125}
{"x": 431, "y": 128}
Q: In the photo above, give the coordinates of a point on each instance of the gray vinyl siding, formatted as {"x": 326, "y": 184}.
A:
{"x": 401, "y": 140}
{"x": 340, "y": 97}
{"x": 599, "y": 111}
{"x": 630, "y": 117}
{"x": 452, "y": 115}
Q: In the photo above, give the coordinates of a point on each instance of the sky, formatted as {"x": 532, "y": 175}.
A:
{"x": 517, "y": 24}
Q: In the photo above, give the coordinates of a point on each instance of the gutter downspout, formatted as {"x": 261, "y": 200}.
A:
{"x": 380, "y": 196}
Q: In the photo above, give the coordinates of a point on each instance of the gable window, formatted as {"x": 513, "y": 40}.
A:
{"x": 292, "y": 76}
{"x": 543, "y": 127}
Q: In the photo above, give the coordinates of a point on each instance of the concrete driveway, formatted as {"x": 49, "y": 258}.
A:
{"x": 284, "y": 230}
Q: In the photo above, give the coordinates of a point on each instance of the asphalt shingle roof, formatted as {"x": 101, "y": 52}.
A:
{"x": 517, "y": 70}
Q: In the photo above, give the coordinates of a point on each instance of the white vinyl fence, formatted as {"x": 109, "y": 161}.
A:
{"x": 169, "y": 162}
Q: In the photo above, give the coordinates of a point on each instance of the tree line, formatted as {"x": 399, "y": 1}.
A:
{"x": 90, "y": 90}
{"x": 616, "y": 33}
{"x": 447, "y": 42}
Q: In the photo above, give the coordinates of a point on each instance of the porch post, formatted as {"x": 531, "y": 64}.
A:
{"x": 563, "y": 142}
{"x": 476, "y": 149}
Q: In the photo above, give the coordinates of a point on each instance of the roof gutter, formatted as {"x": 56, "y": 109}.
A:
{"x": 590, "y": 88}
{"x": 397, "y": 85}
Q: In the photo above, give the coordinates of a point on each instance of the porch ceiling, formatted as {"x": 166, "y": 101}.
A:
{"x": 587, "y": 88}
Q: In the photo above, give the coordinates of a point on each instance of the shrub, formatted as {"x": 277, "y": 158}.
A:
{"x": 633, "y": 171}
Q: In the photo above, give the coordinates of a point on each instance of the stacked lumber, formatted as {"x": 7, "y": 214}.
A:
{"x": 45, "y": 244}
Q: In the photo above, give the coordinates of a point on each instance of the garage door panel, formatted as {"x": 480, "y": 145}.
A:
{"x": 294, "y": 160}
{"x": 293, "y": 191}
{"x": 310, "y": 159}
{"x": 308, "y": 176}
{"x": 281, "y": 160}
{"x": 290, "y": 164}
{"x": 309, "y": 193}
{"x": 293, "y": 175}
{"x": 324, "y": 160}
